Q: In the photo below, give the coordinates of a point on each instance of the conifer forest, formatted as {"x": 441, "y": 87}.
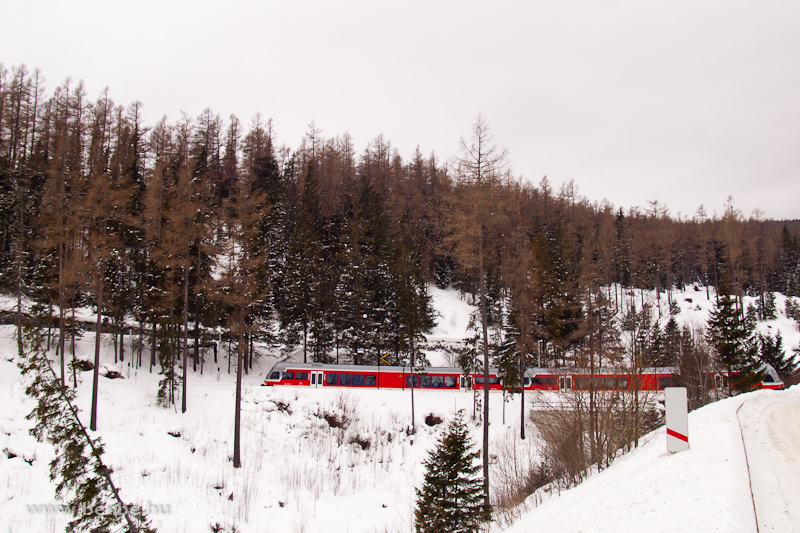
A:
{"x": 204, "y": 232}
{"x": 202, "y": 227}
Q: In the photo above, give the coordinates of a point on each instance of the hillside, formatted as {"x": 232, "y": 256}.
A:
{"x": 302, "y": 474}
{"x": 706, "y": 488}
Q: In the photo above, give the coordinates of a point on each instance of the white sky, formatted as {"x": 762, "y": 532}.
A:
{"x": 685, "y": 102}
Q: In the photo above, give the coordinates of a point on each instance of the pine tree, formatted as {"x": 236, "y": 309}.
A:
{"x": 413, "y": 314}
{"x": 299, "y": 283}
{"x": 84, "y": 482}
{"x": 451, "y": 497}
{"x": 772, "y": 353}
{"x": 243, "y": 284}
{"x": 481, "y": 169}
{"x": 733, "y": 338}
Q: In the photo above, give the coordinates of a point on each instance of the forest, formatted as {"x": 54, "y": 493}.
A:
{"x": 198, "y": 233}
{"x": 184, "y": 232}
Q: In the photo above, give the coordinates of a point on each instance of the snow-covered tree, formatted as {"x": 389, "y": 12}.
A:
{"x": 733, "y": 338}
{"x": 772, "y": 352}
{"x": 83, "y": 481}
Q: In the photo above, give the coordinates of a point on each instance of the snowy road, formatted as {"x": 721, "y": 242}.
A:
{"x": 771, "y": 430}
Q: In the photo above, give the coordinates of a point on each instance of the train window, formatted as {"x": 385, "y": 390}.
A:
{"x": 437, "y": 382}
{"x": 331, "y": 379}
{"x": 369, "y": 380}
{"x": 426, "y": 381}
{"x": 581, "y": 383}
{"x": 494, "y": 380}
{"x": 622, "y": 383}
{"x": 313, "y": 378}
{"x": 450, "y": 382}
{"x": 301, "y": 375}
{"x": 478, "y": 380}
{"x": 664, "y": 381}
{"x": 288, "y": 375}
{"x": 275, "y": 375}
{"x": 358, "y": 380}
{"x": 344, "y": 379}
{"x": 768, "y": 379}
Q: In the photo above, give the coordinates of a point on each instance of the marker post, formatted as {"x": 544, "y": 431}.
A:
{"x": 677, "y": 419}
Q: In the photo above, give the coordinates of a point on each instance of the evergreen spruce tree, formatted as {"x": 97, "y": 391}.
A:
{"x": 772, "y": 353}
{"x": 451, "y": 497}
{"x": 299, "y": 282}
{"x": 170, "y": 383}
{"x": 83, "y": 481}
{"x": 733, "y": 337}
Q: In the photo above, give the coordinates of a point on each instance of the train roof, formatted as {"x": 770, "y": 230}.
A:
{"x": 534, "y": 371}
{"x": 283, "y": 365}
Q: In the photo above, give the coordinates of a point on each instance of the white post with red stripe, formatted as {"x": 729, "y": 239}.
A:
{"x": 677, "y": 419}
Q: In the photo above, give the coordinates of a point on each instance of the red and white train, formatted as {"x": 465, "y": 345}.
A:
{"x": 319, "y": 375}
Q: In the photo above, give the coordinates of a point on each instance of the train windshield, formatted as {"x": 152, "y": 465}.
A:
{"x": 275, "y": 375}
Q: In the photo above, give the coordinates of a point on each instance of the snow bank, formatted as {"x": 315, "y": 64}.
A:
{"x": 706, "y": 488}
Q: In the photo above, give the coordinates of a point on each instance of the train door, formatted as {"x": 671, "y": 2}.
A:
{"x": 565, "y": 383}
{"x": 316, "y": 379}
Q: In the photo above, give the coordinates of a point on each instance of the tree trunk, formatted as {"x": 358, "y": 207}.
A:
{"x": 485, "y": 334}
{"x": 197, "y": 314}
{"x": 74, "y": 371}
{"x": 97, "y": 339}
{"x": 185, "y": 336}
{"x": 153, "y": 346}
{"x": 237, "y": 419}
{"x": 522, "y": 396}
{"x": 413, "y": 361}
{"x": 61, "y": 313}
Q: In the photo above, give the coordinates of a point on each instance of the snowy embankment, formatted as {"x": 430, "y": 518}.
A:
{"x": 323, "y": 460}
{"x": 313, "y": 460}
{"x": 706, "y": 488}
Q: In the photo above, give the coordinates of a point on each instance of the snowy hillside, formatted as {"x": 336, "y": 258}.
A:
{"x": 301, "y": 472}
{"x": 706, "y": 488}
{"x": 324, "y": 460}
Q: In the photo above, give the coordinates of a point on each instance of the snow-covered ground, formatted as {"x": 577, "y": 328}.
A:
{"x": 706, "y": 488}
{"x": 300, "y": 474}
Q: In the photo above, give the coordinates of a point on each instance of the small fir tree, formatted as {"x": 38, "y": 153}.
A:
{"x": 765, "y": 306}
{"x": 451, "y": 497}
{"x": 170, "y": 383}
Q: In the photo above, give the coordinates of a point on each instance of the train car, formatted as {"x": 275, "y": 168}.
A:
{"x": 649, "y": 379}
{"x": 317, "y": 375}
{"x": 541, "y": 379}
{"x": 376, "y": 377}
{"x": 771, "y": 379}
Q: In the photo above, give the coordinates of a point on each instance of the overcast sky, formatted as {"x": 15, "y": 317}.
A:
{"x": 685, "y": 102}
